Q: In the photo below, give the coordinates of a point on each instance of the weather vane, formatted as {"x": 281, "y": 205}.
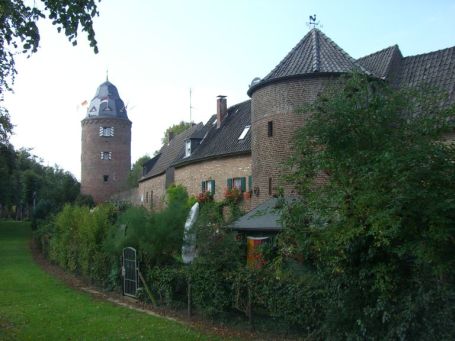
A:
{"x": 313, "y": 23}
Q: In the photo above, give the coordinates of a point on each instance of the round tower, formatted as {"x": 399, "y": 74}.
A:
{"x": 106, "y": 145}
{"x": 276, "y": 101}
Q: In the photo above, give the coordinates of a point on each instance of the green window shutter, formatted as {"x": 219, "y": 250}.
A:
{"x": 213, "y": 186}
{"x": 202, "y": 186}
{"x": 229, "y": 183}
{"x": 243, "y": 184}
{"x": 250, "y": 183}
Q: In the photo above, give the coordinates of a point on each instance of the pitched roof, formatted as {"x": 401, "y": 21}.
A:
{"x": 222, "y": 141}
{"x": 265, "y": 217}
{"x": 436, "y": 69}
{"x": 169, "y": 153}
{"x": 314, "y": 54}
{"x": 381, "y": 63}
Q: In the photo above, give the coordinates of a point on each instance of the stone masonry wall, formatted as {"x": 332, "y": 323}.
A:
{"x": 278, "y": 103}
{"x": 191, "y": 177}
{"x": 152, "y": 192}
{"x": 93, "y": 168}
{"x": 219, "y": 170}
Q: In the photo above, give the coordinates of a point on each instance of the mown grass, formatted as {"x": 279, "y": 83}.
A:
{"x": 36, "y": 306}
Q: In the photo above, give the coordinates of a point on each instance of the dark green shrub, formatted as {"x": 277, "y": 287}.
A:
{"x": 169, "y": 283}
{"x": 77, "y": 238}
{"x": 378, "y": 233}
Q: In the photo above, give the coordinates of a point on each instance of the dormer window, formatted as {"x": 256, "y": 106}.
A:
{"x": 187, "y": 148}
{"x": 244, "y": 132}
{"x": 107, "y": 131}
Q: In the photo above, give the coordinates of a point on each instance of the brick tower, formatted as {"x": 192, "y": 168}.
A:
{"x": 275, "y": 103}
{"x": 106, "y": 145}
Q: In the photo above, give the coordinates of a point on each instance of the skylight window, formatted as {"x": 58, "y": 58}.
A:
{"x": 244, "y": 132}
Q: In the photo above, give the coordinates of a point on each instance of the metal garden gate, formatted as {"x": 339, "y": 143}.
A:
{"x": 129, "y": 272}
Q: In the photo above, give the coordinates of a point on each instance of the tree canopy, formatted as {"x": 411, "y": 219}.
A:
{"x": 19, "y": 33}
{"x": 27, "y": 185}
{"x": 176, "y": 129}
{"x": 136, "y": 171}
{"x": 375, "y": 222}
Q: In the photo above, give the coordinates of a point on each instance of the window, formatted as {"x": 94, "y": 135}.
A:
{"x": 147, "y": 197}
{"x": 270, "y": 128}
{"x": 105, "y": 178}
{"x": 239, "y": 183}
{"x": 270, "y": 186}
{"x": 107, "y": 131}
{"x": 106, "y": 155}
{"x": 187, "y": 148}
{"x": 244, "y": 132}
{"x": 208, "y": 186}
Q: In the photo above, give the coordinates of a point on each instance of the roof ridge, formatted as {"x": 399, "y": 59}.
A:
{"x": 316, "y": 50}
{"x": 395, "y": 49}
{"x": 344, "y": 53}
{"x": 336, "y": 46}
{"x": 288, "y": 56}
{"x": 431, "y": 52}
{"x": 238, "y": 104}
{"x": 380, "y": 51}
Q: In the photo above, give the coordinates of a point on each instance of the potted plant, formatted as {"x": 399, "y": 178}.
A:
{"x": 232, "y": 195}
{"x": 205, "y": 196}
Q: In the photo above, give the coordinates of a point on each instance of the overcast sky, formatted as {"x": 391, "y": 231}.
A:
{"x": 156, "y": 51}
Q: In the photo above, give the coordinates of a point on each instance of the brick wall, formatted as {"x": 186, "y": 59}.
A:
{"x": 152, "y": 192}
{"x": 278, "y": 103}
{"x": 191, "y": 176}
{"x": 130, "y": 196}
{"x": 93, "y": 169}
{"x": 219, "y": 170}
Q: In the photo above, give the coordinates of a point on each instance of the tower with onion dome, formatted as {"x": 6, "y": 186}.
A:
{"x": 106, "y": 145}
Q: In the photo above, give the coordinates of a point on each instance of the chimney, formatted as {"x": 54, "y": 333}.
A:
{"x": 170, "y": 136}
{"x": 221, "y": 110}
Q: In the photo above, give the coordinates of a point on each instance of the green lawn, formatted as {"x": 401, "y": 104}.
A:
{"x": 35, "y": 306}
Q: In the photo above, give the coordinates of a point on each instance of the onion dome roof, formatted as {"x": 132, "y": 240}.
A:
{"x": 107, "y": 103}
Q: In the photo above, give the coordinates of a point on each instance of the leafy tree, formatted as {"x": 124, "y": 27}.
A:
{"x": 8, "y": 180}
{"x": 19, "y": 33}
{"x": 136, "y": 171}
{"x": 176, "y": 129}
{"x": 26, "y": 184}
{"x": 84, "y": 200}
{"x": 6, "y": 127}
{"x": 375, "y": 224}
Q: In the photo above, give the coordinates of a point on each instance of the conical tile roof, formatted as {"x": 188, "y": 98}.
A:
{"x": 314, "y": 54}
